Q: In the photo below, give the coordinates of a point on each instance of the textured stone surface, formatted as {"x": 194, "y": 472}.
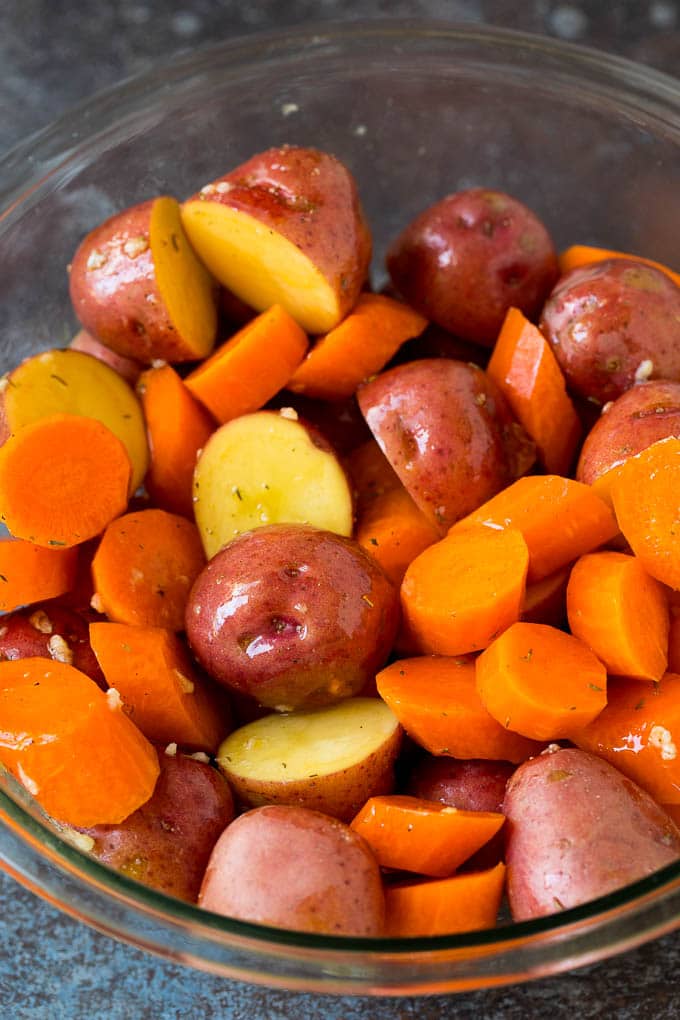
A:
{"x": 54, "y": 53}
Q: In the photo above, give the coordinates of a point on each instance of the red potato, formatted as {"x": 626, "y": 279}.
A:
{"x": 88, "y": 344}
{"x": 167, "y": 842}
{"x": 138, "y": 287}
{"x": 287, "y": 228}
{"x": 612, "y": 324}
{"x": 294, "y": 868}
{"x": 50, "y": 631}
{"x": 639, "y": 417}
{"x": 467, "y": 259}
{"x": 473, "y": 785}
{"x": 294, "y": 616}
{"x": 577, "y": 829}
{"x": 446, "y": 431}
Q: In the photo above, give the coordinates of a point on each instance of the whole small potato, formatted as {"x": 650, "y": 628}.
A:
{"x": 472, "y": 785}
{"x": 577, "y": 829}
{"x": 467, "y": 259}
{"x": 50, "y": 631}
{"x": 638, "y": 418}
{"x": 167, "y": 842}
{"x": 294, "y": 616}
{"x": 448, "y": 434}
{"x": 294, "y": 868}
{"x": 614, "y": 323}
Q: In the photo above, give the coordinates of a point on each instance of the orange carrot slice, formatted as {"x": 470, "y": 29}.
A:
{"x": 436, "y": 701}
{"x": 464, "y": 590}
{"x": 62, "y": 480}
{"x": 30, "y": 573}
{"x": 541, "y": 682}
{"x": 70, "y": 745}
{"x": 583, "y": 255}
{"x": 621, "y": 613}
{"x": 144, "y": 568}
{"x": 527, "y": 373}
{"x": 251, "y": 367}
{"x": 357, "y": 349}
{"x": 411, "y": 834}
{"x": 444, "y": 906}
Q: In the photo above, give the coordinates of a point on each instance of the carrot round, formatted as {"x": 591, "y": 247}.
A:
{"x": 251, "y": 367}
{"x": 178, "y": 427}
{"x": 647, "y": 506}
{"x": 541, "y": 682}
{"x": 62, "y": 480}
{"x": 70, "y": 745}
{"x": 357, "y": 349}
{"x": 527, "y": 373}
{"x": 638, "y": 733}
{"x": 441, "y": 907}
{"x": 161, "y": 691}
{"x": 424, "y": 836}
{"x": 144, "y": 568}
{"x": 436, "y": 701}
{"x": 621, "y": 613}
{"x": 30, "y": 573}
{"x": 464, "y": 590}
{"x": 560, "y": 520}
{"x": 582, "y": 255}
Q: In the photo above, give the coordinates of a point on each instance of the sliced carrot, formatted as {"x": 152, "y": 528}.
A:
{"x": 541, "y": 682}
{"x": 161, "y": 691}
{"x": 62, "y": 480}
{"x": 178, "y": 427}
{"x": 30, "y": 573}
{"x": 527, "y": 373}
{"x": 144, "y": 568}
{"x": 70, "y": 745}
{"x": 251, "y": 367}
{"x": 357, "y": 349}
{"x": 583, "y": 255}
{"x": 444, "y": 906}
{"x": 411, "y": 834}
{"x": 560, "y": 520}
{"x": 638, "y": 733}
{"x": 546, "y": 600}
{"x": 464, "y": 590}
{"x": 436, "y": 701}
{"x": 647, "y": 506}
{"x": 621, "y": 613}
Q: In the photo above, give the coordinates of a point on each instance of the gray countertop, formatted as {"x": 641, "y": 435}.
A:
{"x": 53, "y": 53}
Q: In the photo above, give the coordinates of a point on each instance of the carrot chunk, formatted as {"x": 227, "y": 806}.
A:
{"x": 541, "y": 682}
{"x": 70, "y": 745}
{"x": 161, "y": 691}
{"x": 436, "y": 701}
{"x": 621, "y": 613}
{"x": 251, "y": 367}
{"x": 444, "y": 906}
{"x": 31, "y": 573}
{"x": 62, "y": 480}
{"x": 424, "y": 836}
{"x": 464, "y": 590}
{"x": 526, "y": 371}
{"x": 583, "y": 255}
{"x": 144, "y": 568}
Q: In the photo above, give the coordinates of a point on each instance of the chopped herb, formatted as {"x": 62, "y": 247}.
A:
{"x": 368, "y": 602}
{"x": 175, "y": 242}
{"x": 58, "y": 378}
{"x": 594, "y": 687}
{"x": 507, "y": 722}
{"x": 237, "y": 492}
{"x": 374, "y": 541}
{"x": 640, "y": 704}
{"x": 3, "y": 578}
{"x": 55, "y": 541}
{"x": 528, "y": 656}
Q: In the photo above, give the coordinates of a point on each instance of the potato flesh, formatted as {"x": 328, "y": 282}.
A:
{"x": 259, "y": 265}
{"x": 287, "y": 748}
{"x": 264, "y": 468}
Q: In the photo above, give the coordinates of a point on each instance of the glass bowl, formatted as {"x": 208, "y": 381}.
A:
{"x": 417, "y": 110}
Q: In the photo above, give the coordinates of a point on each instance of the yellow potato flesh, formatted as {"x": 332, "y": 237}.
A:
{"x": 264, "y": 468}
{"x": 69, "y": 382}
{"x": 260, "y": 265}
{"x": 186, "y": 288}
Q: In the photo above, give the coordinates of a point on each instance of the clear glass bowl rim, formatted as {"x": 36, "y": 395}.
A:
{"x": 32, "y": 167}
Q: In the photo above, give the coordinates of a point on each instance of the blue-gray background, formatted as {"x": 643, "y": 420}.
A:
{"x": 54, "y": 53}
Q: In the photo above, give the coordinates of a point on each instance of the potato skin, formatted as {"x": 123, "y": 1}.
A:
{"x": 167, "y": 842}
{"x": 294, "y": 868}
{"x": 472, "y": 785}
{"x": 607, "y": 319}
{"x": 50, "y": 631}
{"x": 293, "y": 616}
{"x": 641, "y": 416}
{"x": 464, "y": 261}
{"x": 447, "y": 432}
{"x": 577, "y": 829}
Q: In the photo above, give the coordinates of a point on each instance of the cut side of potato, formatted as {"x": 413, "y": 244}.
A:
{"x": 267, "y": 468}
{"x": 331, "y": 760}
